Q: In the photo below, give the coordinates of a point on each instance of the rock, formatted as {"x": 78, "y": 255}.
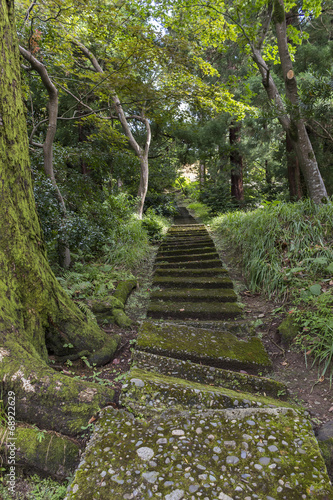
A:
{"x": 288, "y": 330}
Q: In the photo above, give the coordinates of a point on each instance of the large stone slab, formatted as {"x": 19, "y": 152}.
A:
{"x": 190, "y": 256}
{"x": 196, "y": 264}
{"x": 209, "y": 375}
{"x": 190, "y": 272}
{"x": 195, "y": 294}
{"x": 193, "y": 310}
{"x": 147, "y": 393}
{"x": 213, "y": 348}
{"x": 193, "y": 281}
{"x": 244, "y": 454}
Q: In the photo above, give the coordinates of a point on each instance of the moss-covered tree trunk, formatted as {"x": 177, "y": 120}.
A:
{"x": 36, "y": 315}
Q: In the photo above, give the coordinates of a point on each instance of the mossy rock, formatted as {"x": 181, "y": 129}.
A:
{"x": 41, "y": 451}
{"x": 195, "y": 282}
{"x": 212, "y": 348}
{"x": 288, "y": 330}
{"x": 195, "y": 295}
{"x": 194, "y": 452}
{"x": 193, "y": 310}
{"x": 105, "y": 306}
{"x": 146, "y": 393}
{"x": 209, "y": 375}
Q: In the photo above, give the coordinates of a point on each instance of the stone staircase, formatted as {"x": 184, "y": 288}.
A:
{"x": 199, "y": 419}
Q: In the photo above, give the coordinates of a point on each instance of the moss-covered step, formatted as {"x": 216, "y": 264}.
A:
{"x": 213, "y": 263}
{"x": 180, "y": 247}
{"x": 209, "y": 375}
{"x": 212, "y": 348}
{"x": 186, "y": 250}
{"x": 185, "y": 227}
{"x": 195, "y": 295}
{"x": 186, "y": 258}
{"x": 187, "y": 239}
{"x": 268, "y": 453}
{"x": 195, "y": 282}
{"x": 190, "y": 272}
{"x": 158, "y": 309}
{"x": 146, "y": 393}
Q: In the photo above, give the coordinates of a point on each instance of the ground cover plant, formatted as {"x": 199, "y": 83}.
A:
{"x": 285, "y": 250}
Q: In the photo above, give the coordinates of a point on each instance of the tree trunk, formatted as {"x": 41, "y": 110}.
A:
{"x": 52, "y": 106}
{"x": 236, "y": 160}
{"x": 294, "y": 175}
{"x": 293, "y": 124}
{"x": 36, "y": 314}
{"x": 143, "y": 186}
{"x": 202, "y": 173}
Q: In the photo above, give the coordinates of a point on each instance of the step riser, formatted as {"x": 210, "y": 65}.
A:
{"x": 189, "y": 298}
{"x": 183, "y": 283}
{"x": 187, "y": 258}
{"x": 185, "y": 251}
{"x": 191, "y": 265}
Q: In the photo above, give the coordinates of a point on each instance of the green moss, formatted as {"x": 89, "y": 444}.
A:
{"x": 196, "y": 282}
{"x": 194, "y": 310}
{"x": 218, "y": 349}
{"x": 157, "y": 392}
{"x": 123, "y": 290}
{"x": 288, "y": 330}
{"x": 44, "y": 451}
{"x": 190, "y": 272}
{"x": 195, "y": 294}
{"x": 326, "y": 449}
{"x": 187, "y": 258}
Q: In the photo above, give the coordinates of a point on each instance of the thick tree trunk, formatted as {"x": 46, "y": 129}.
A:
{"x": 294, "y": 175}
{"x": 236, "y": 160}
{"x": 36, "y": 314}
{"x": 293, "y": 124}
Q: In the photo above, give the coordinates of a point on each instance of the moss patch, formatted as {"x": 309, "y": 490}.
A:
{"x": 209, "y": 375}
{"x": 148, "y": 393}
{"x": 190, "y": 272}
{"x": 288, "y": 330}
{"x": 196, "y": 282}
{"x": 187, "y": 258}
{"x": 196, "y": 264}
{"x": 195, "y": 294}
{"x": 193, "y": 310}
{"x": 218, "y": 349}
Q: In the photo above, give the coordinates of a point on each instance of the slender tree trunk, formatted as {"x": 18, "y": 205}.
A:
{"x": 236, "y": 160}
{"x": 294, "y": 175}
{"x": 293, "y": 124}
{"x": 202, "y": 173}
{"x": 64, "y": 253}
{"x": 36, "y": 314}
{"x": 141, "y": 153}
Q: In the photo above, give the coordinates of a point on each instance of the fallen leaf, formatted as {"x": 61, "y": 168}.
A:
{"x": 331, "y": 283}
{"x": 116, "y": 361}
{"x": 182, "y": 310}
{"x": 92, "y": 420}
{"x": 331, "y": 409}
{"x": 284, "y": 363}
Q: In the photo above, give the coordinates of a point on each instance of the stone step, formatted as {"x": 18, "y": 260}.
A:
{"x": 195, "y": 282}
{"x": 187, "y": 247}
{"x": 186, "y": 250}
{"x": 212, "y": 348}
{"x": 147, "y": 393}
{"x": 195, "y": 294}
{"x": 209, "y": 375}
{"x": 188, "y": 272}
{"x": 193, "y": 310}
{"x": 239, "y": 454}
{"x": 195, "y": 264}
{"x": 186, "y": 258}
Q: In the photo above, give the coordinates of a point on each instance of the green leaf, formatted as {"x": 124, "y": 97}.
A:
{"x": 315, "y": 289}
{"x": 329, "y": 268}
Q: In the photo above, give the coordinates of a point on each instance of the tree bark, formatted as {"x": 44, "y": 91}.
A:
{"x": 142, "y": 153}
{"x": 236, "y": 160}
{"x": 36, "y": 314}
{"x": 64, "y": 253}
{"x": 294, "y": 175}
{"x": 292, "y": 123}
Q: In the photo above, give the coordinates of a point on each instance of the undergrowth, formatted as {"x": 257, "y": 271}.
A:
{"x": 286, "y": 251}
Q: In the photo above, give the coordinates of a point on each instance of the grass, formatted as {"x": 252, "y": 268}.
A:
{"x": 286, "y": 251}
